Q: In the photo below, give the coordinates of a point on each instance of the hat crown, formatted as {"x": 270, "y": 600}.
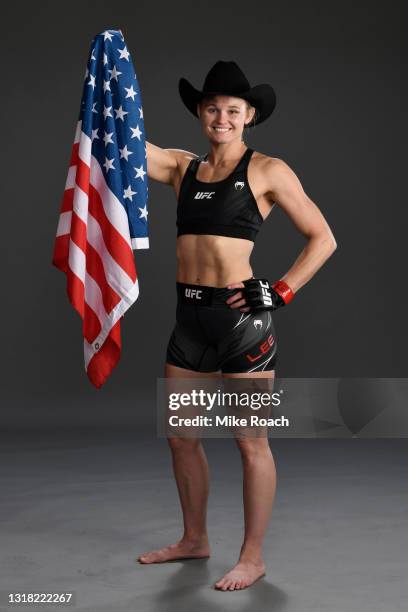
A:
{"x": 226, "y": 76}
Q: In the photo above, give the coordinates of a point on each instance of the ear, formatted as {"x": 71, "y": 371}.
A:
{"x": 252, "y": 113}
{"x": 198, "y": 109}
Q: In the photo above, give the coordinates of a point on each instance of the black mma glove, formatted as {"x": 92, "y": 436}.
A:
{"x": 260, "y": 295}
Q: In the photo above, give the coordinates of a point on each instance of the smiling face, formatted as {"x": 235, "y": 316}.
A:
{"x": 223, "y": 118}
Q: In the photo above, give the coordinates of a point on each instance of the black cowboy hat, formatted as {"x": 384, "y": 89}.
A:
{"x": 227, "y": 78}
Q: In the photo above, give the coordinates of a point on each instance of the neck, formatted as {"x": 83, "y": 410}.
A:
{"x": 223, "y": 153}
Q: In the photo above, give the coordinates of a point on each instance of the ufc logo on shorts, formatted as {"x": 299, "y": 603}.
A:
{"x": 204, "y": 194}
{"x": 193, "y": 293}
{"x": 266, "y": 295}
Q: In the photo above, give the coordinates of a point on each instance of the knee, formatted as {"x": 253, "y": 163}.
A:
{"x": 184, "y": 445}
{"x": 253, "y": 448}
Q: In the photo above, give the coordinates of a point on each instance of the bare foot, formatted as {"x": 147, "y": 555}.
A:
{"x": 241, "y": 576}
{"x": 181, "y": 550}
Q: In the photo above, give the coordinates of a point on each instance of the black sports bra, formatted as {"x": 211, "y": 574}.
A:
{"x": 222, "y": 208}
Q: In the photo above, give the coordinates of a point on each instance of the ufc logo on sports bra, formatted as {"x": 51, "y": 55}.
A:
{"x": 204, "y": 194}
{"x": 193, "y": 293}
{"x": 267, "y": 299}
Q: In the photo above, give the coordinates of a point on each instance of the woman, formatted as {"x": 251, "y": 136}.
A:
{"x": 223, "y": 199}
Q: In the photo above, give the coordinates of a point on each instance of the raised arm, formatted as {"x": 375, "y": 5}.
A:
{"x": 163, "y": 164}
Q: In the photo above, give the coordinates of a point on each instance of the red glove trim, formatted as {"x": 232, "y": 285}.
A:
{"x": 284, "y": 291}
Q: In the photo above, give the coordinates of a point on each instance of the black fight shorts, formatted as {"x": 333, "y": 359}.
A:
{"x": 210, "y": 336}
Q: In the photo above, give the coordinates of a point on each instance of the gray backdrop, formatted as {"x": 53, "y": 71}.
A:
{"x": 339, "y": 123}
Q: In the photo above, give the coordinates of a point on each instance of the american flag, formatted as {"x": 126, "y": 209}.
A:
{"x": 104, "y": 209}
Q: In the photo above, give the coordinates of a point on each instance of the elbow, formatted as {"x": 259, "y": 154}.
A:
{"x": 329, "y": 241}
{"x": 330, "y": 246}
{"x": 326, "y": 243}
{"x": 333, "y": 244}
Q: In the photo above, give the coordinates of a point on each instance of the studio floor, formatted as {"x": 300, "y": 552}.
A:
{"x": 79, "y": 506}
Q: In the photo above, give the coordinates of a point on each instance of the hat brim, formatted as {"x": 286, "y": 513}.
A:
{"x": 262, "y": 97}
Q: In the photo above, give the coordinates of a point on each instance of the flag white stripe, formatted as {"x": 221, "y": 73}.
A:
{"x": 94, "y": 299}
{"x": 64, "y": 223}
{"x": 78, "y": 132}
{"x": 76, "y": 261}
{"x": 109, "y": 200}
{"x": 117, "y": 278}
{"x": 115, "y": 275}
{"x": 85, "y": 149}
{"x": 80, "y": 204}
{"x": 110, "y": 321}
{"x": 113, "y": 208}
{"x": 70, "y": 182}
{"x": 140, "y": 243}
{"x": 77, "y": 264}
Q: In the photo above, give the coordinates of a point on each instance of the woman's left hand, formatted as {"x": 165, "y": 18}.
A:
{"x": 237, "y": 300}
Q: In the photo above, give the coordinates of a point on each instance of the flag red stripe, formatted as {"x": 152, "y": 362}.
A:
{"x": 74, "y": 154}
{"x": 75, "y": 292}
{"x": 61, "y": 248}
{"x": 94, "y": 263}
{"x": 103, "y": 362}
{"x": 95, "y": 269}
{"x": 78, "y": 232}
{"x": 91, "y": 325}
{"x": 119, "y": 248}
{"x": 67, "y": 200}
